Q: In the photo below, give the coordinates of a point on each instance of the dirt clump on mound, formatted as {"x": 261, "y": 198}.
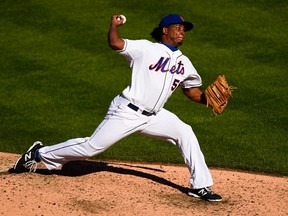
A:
{"x": 121, "y": 188}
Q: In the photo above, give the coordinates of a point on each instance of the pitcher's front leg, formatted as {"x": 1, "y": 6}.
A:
{"x": 167, "y": 126}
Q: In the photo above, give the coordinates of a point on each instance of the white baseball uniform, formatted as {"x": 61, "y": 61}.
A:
{"x": 156, "y": 72}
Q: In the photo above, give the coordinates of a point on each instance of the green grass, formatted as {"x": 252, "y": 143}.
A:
{"x": 58, "y": 76}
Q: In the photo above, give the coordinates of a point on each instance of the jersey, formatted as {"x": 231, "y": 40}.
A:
{"x": 156, "y": 72}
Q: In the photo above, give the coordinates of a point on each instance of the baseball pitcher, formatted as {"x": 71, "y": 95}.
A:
{"x": 157, "y": 69}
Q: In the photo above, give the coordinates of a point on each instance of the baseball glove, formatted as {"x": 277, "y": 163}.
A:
{"x": 218, "y": 93}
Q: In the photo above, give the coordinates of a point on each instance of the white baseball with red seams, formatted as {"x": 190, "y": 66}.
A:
{"x": 122, "y": 17}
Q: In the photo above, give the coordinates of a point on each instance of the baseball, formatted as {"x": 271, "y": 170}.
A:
{"x": 123, "y": 18}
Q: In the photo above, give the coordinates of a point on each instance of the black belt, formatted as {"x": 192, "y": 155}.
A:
{"x": 136, "y": 108}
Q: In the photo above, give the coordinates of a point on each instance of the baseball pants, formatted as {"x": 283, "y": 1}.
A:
{"x": 121, "y": 121}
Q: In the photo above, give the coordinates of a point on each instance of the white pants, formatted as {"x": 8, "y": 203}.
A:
{"x": 121, "y": 121}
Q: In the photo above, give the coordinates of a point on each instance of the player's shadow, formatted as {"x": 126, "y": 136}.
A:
{"x": 79, "y": 168}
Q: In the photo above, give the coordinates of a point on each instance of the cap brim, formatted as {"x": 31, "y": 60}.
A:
{"x": 188, "y": 25}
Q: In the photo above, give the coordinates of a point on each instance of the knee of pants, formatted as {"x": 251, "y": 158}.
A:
{"x": 97, "y": 147}
{"x": 185, "y": 135}
{"x": 184, "y": 130}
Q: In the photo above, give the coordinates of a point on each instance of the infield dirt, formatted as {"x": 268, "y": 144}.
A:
{"x": 122, "y": 188}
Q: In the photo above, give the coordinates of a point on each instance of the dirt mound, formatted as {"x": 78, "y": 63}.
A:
{"x": 120, "y": 188}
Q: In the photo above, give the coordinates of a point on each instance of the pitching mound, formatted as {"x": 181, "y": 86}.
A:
{"x": 120, "y": 188}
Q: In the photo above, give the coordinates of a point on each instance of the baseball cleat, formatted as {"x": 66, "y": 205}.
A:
{"x": 205, "y": 194}
{"x": 27, "y": 162}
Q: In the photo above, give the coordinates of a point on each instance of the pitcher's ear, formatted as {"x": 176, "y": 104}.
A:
{"x": 165, "y": 30}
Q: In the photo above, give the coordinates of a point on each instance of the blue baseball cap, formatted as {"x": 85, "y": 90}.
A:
{"x": 175, "y": 19}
